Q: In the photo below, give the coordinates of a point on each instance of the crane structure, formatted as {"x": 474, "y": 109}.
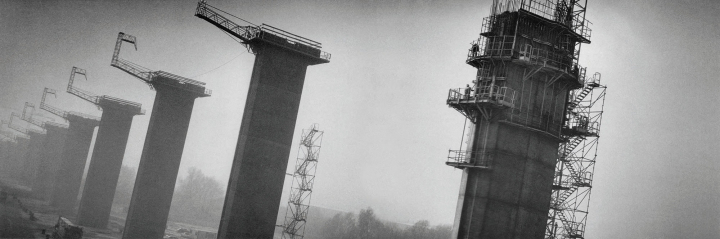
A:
{"x": 527, "y": 60}
{"x": 50, "y": 155}
{"x": 303, "y": 181}
{"x": 108, "y": 152}
{"x": 575, "y": 166}
{"x": 164, "y": 142}
{"x": 76, "y": 146}
{"x": 265, "y": 138}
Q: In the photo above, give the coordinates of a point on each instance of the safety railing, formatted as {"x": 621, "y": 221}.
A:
{"x": 549, "y": 9}
{"x": 539, "y": 56}
{"x": 121, "y": 101}
{"x": 264, "y": 32}
{"x": 575, "y": 230}
{"x": 83, "y": 94}
{"x": 82, "y": 115}
{"x": 474, "y": 159}
{"x": 492, "y": 46}
{"x": 582, "y": 125}
{"x": 581, "y": 26}
{"x": 56, "y": 124}
{"x": 54, "y": 110}
{"x": 503, "y": 96}
{"x": 184, "y": 83}
{"x": 178, "y": 78}
{"x": 132, "y": 69}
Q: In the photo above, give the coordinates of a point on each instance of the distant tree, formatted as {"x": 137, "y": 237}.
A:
{"x": 198, "y": 199}
{"x": 341, "y": 226}
{"x": 441, "y": 231}
{"x": 368, "y": 226}
{"x": 124, "y": 188}
{"x": 419, "y": 230}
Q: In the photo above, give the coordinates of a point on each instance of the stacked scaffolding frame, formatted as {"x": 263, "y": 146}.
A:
{"x": 575, "y": 166}
{"x": 303, "y": 181}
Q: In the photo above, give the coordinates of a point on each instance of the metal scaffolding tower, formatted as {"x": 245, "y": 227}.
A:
{"x": 576, "y": 162}
{"x": 303, "y": 181}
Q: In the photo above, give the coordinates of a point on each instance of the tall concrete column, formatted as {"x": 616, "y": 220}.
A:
{"x": 70, "y": 173}
{"x": 160, "y": 162}
{"x": 5, "y": 146}
{"x": 32, "y": 157}
{"x": 17, "y": 153}
{"x": 264, "y": 143}
{"x": 104, "y": 170}
{"x": 50, "y": 158}
{"x": 511, "y": 199}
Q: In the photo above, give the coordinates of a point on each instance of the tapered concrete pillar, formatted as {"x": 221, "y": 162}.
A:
{"x": 5, "y": 146}
{"x": 104, "y": 170}
{"x": 50, "y": 158}
{"x": 511, "y": 199}
{"x": 160, "y": 160}
{"x": 70, "y": 173}
{"x": 32, "y": 157}
{"x": 17, "y": 153}
{"x": 264, "y": 142}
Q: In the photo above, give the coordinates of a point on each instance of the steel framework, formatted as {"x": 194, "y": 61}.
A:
{"x": 56, "y": 111}
{"x": 100, "y": 100}
{"x": 151, "y": 77}
{"x": 575, "y": 166}
{"x": 20, "y": 128}
{"x": 303, "y": 181}
{"x": 28, "y": 117}
{"x": 264, "y": 32}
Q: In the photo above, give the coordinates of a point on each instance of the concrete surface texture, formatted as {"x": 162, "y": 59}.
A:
{"x": 49, "y": 162}
{"x": 17, "y": 151}
{"x": 72, "y": 166}
{"x": 32, "y": 157}
{"x": 159, "y": 163}
{"x": 264, "y": 143}
{"x": 104, "y": 169}
{"x": 511, "y": 199}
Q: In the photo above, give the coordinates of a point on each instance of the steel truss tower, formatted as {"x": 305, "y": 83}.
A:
{"x": 576, "y": 161}
{"x": 303, "y": 181}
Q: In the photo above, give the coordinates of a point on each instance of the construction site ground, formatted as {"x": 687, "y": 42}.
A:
{"x": 17, "y": 208}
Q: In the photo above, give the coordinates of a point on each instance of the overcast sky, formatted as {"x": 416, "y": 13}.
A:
{"x": 381, "y": 99}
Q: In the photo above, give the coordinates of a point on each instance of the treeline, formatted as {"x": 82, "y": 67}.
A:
{"x": 198, "y": 198}
{"x": 367, "y": 226}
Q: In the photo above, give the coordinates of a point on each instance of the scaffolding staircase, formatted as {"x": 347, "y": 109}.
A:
{"x": 580, "y": 131}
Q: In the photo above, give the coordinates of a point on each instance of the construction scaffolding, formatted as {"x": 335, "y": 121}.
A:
{"x": 529, "y": 86}
{"x": 303, "y": 181}
{"x": 576, "y": 162}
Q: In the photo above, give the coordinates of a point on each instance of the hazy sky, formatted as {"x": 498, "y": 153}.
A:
{"x": 381, "y": 99}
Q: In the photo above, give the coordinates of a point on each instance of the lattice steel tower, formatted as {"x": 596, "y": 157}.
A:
{"x": 527, "y": 64}
{"x": 303, "y": 181}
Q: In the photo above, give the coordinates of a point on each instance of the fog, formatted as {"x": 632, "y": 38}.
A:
{"x": 381, "y": 99}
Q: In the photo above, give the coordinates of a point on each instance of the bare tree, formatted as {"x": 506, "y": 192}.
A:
{"x": 198, "y": 199}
